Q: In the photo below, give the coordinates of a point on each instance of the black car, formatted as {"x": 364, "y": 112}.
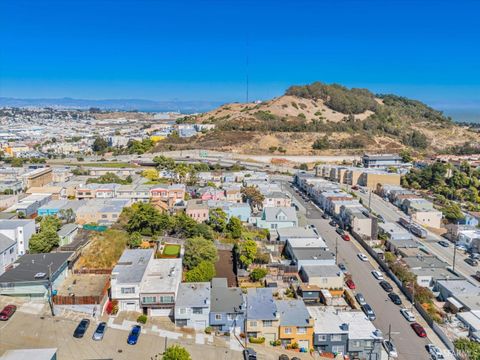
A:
{"x": 333, "y": 223}
{"x": 340, "y": 231}
{"x": 367, "y": 309}
{"x": 471, "y": 262}
{"x": 81, "y": 328}
{"x": 342, "y": 267}
{"x": 325, "y": 216}
{"x": 444, "y": 243}
{"x": 395, "y": 298}
{"x": 249, "y": 354}
{"x": 386, "y": 286}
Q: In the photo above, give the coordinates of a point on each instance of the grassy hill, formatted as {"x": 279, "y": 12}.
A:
{"x": 321, "y": 118}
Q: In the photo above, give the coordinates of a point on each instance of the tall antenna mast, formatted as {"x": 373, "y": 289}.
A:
{"x": 247, "y": 75}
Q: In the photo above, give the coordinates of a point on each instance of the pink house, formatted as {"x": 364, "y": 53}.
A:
{"x": 210, "y": 193}
{"x": 197, "y": 210}
{"x": 175, "y": 192}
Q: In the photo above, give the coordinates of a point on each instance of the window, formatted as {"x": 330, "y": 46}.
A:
{"x": 288, "y": 330}
{"x": 301, "y": 330}
{"x": 336, "y": 338}
{"x": 218, "y": 316}
{"x": 367, "y": 344}
{"x": 128, "y": 290}
{"x": 104, "y": 216}
{"x": 337, "y": 349}
{"x": 253, "y": 323}
{"x": 231, "y": 317}
{"x": 322, "y": 337}
{"x": 267, "y": 323}
{"x": 183, "y": 311}
{"x": 197, "y": 310}
{"x": 149, "y": 299}
{"x": 356, "y": 343}
{"x": 11, "y": 250}
{"x": 273, "y": 226}
{"x": 166, "y": 299}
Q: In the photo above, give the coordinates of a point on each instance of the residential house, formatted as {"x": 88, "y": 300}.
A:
{"x": 239, "y": 210}
{"x": 211, "y": 193}
{"x": 197, "y": 210}
{"x": 159, "y": 286}
{"x": 283, "y": 234}
{"x": 101, "y": 211}
{"x": 25, "y": 354}
{"x": 357, "y": 219}
{"x": 97, "y": 191}
{"x": 173, "y": 193}
{"x": 38, "y": 177}
{"x": 28, "y": 206}
{"x": 470, "y": 238}
{"x": 8, "y": 253}
{"x": 29, "y": 276}
{"x": 57, "y": 192}
{"x": 127, "y": 276}
{"x": 233, "y": 193}
{"x": 135, "y": 193}
{"x": 346, "y": 332}
{"x": 311, "y": 256}
{"x": 228, "y": 306}
{"x": 56, "y": 207}
{"x": 324, "y": 276}
{"x": 19, "y": 231}
{"x": 296, "y": 324}
{"x": 276, "y": 199}
{"x": 192, "y": 307}
{"x": 67, "y": 233}
{"x": 273, "y": 218}
{"x": 263, "y": 317}
{"x": 293, "y": 244}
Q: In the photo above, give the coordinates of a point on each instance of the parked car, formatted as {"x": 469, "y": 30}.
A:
{"x": 461, "y": 247}
{"x": 390, "y": 348}
{"x": 354, "y": 187}
{"x": 346, "y": 237}
{"x": 380, "y": 219}
{"x": 283, "y": 357}
{"x": 340, "y": 231}
{"x": 395, "y": 298}
{"x": 434, "y": 352}
{"x": 134, "y": 335}
{"x": 342, "y": 267}
{"x": 471, "y": 262}
{"x": 419, "y": 330}
{"x": 377, "y": 275}
{"x": 362, "y": 256}
{"x": 81, "y": 328}
{"x": 250, "y": 354}
{"x": 350, "y": 284}
{"x": 386, "y": 286}
{"x": 444, "y": 243}
{"x": 333, "y": 223}
{"x": 475, "y": 256}
{"x": 99, "y": 331}
{"x": 407, "y": 314}
{"x": 367, "y": 309}
{"x": 361, "y": 299}
{"x": 7, "y": 312}
{"x": 325, "y": 216}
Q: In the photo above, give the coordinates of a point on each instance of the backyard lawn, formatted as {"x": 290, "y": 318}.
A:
{"x": 171, "y": 250}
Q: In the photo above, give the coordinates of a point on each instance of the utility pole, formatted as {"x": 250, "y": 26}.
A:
{"x": 369, "y": 199}
{"x": 336, "y": 250}
{"x": 389, "y": 338}
{"x": 50, "y": 299}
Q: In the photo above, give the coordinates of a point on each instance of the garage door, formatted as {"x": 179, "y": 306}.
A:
{"x": 303, "y": 344}
{"x": 270, "y": 337}
{"x": 200, "y": 324}
{"x": 160, "y": 312}
{"x": 130, "y": 306}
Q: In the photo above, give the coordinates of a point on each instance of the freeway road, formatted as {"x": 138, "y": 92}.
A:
{"x": 393, "y": 214}
{"x": 409, "y": 345}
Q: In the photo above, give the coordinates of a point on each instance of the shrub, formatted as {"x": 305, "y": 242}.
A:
{"x": 255, "y": 340}
{"x": 142, "y": 319}
{"x": 258, "y": 274}
{"x": 208, "y": 330}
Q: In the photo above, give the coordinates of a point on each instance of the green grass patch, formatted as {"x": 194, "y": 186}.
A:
{"x": 171, "y": 250}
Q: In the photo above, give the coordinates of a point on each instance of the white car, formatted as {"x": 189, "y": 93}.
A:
{"x": 390, "y": 348}
{"x": 377, "y": 275}
{"x": 435, "y": 352}
{"x": 407, "y": 314}
{"x": 362, "y": 257}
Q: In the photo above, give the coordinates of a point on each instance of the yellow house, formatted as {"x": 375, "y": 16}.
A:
{"x": 296, "y": 324}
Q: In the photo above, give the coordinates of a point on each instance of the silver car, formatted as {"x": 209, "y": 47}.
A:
{"x": 99, "y": 331}
{"x": 361, "y": 299}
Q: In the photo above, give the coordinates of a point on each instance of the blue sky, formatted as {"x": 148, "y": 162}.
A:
{"x": 196, "y": 50}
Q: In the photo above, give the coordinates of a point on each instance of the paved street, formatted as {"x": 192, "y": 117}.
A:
{"x": 409, "y": 345}
{"x": 393, "y": 214}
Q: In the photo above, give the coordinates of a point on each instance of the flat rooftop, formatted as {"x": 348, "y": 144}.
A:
{"x": 162, "y": 276}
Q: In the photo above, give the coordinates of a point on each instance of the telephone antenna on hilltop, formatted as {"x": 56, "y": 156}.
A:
{"x": 246, "y": 68}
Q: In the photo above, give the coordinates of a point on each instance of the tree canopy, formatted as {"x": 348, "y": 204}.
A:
{"x": 204, "y": 271}
{"x": 199, "y": 249}
{"x": 176, "y": 352}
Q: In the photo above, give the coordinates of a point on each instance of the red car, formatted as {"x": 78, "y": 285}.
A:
{"x": 350, "y": 284}
{"x": 7, "y": 312}
{"x": 346, "y": 237}
{"x": 419, "y": 330}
